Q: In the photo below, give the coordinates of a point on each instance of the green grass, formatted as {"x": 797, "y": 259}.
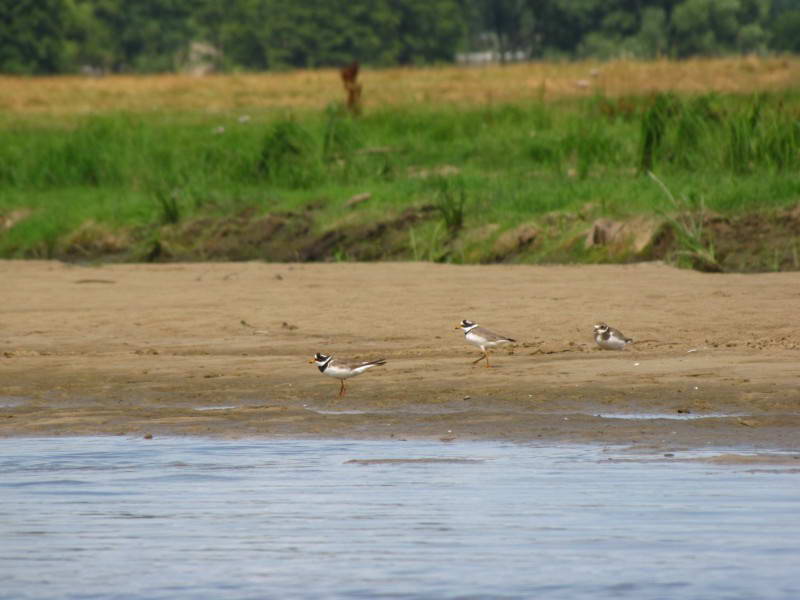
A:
{"x": 514, "y": 162}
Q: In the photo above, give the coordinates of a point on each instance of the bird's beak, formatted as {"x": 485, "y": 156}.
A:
{"x": 457, "y": 327}
{"x": 311, "y": 360}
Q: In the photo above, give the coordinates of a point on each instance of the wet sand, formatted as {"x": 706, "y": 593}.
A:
{"x": 222, "y": 349}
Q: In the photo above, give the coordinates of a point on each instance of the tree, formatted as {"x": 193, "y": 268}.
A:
{"x": 90, "y": 43}
{"x": 511, "y": 23}
{"x": 719, "y": 26}
{"x": 562, "y": 24}
{"x": 238, "y": 28}
{"x": 33, "y": 36}
{"x": 428, "y": 30}
{"x": 785, "y": 27}
{"x": 50, "y": 36}
{"x": 145, "y": 35}
{"x": 652, "y": 39}
{"x": 286, "y": 33}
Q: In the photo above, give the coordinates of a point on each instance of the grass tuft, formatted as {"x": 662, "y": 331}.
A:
{"x": 688, "y": 222}
{"x": 169, "y": 206}
{"x": 451, "y": 200}
{"x": 654, "y": 127}
{"x": 288, "y": 156}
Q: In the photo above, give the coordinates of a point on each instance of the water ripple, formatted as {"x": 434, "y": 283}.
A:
{"x": 118, "y": 518}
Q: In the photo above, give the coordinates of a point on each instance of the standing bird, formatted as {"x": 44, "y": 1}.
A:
{"x": 482, "y": 338}
{"x": 609, "y": 338}
{"x": 342, "y": 369}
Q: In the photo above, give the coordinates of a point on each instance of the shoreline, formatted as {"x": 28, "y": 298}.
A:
{"x": 137, "y": 349}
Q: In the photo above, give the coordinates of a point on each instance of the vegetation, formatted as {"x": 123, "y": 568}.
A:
{"x": 67, "y": 96}
{"x": 146, "y": 36}
{"x": 136, "y": 185}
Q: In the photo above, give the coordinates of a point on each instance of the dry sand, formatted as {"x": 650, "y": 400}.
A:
{"x": 140, "y": 349}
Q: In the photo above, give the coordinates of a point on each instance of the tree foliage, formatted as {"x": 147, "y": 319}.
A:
{"x": 52, "y": 36}
{"x": 33, "y": 35}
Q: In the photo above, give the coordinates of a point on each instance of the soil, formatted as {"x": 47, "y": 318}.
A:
{"x": 751, "y": 242}
{"x": 757, "y": 241}
{"x": 222, "y": 349}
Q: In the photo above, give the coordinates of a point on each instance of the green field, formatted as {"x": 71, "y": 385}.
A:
{"x": 483, "y": 170}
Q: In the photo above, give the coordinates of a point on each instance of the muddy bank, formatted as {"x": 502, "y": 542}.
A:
{"x": 757, "y": 242}
{"x": 221, "y": 349}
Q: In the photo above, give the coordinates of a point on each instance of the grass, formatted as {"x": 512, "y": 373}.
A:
{"x": 481, "y": 163}
{"x": 688, "y": 219}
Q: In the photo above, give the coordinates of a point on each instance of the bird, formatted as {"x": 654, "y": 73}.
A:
{"x": 482, "y": 338}
{"x": 609, "y": 338}
{"x": 343, "y": 369}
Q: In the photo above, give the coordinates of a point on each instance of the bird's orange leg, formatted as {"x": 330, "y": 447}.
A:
{"x": 341, "y": 389}
{"x": 480, "y": 358}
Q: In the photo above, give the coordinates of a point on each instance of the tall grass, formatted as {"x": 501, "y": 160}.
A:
{"x": 708, "y": 133}
{"x": 724, "y": 134}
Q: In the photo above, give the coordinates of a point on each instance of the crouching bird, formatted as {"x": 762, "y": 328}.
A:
{"x": 609, "y": 338}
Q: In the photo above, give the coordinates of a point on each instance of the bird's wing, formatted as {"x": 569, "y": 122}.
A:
{"x": 620, "y": 335}
{"x": 491, "y": 336}
{"x": 354, "y": 364}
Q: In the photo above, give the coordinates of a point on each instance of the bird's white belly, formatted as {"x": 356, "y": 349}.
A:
{"x": 478, "y": 341}
{"x": 340, "y": 372}
{"x": 611, "y": 343}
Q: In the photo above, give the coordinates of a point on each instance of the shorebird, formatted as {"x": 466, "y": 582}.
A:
{"x": 482, "y": 338}
{"x": 342, "y": 369}
{"x": 609, "y": 338}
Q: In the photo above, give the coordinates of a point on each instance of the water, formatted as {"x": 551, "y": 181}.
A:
{"x": 669, "y": 416}
{"x": 119, "y": 518}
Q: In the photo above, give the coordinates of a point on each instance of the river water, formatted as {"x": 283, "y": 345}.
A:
{"x": 179, "y": 518}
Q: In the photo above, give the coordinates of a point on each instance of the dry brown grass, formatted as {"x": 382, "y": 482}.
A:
{"x": 314, "y": 89}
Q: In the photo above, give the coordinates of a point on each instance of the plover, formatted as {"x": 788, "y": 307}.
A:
{"x": 342, "y": 369}
{"x": 609, "y": 338}
{"x": 482, "y": 338}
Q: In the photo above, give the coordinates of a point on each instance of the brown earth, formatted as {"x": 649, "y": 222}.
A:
{"x": 749, "y": 242}
{"x": 137, "y": 349}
